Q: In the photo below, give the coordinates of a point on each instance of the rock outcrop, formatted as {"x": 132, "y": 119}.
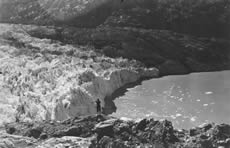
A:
{"x": 108, "y": 132}
{"x": 66, "y": 142}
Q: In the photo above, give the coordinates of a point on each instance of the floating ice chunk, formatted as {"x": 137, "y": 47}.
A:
{"x": 178, "y": 115}
{"x": 181, "y": 99}
{"x": 208, "y": 93}
{"x": 165, "y": 92}
{"x": 153, "y": 114}
{"x": 205, "y": 104}
{"x": 173, "y": 97}
{"x": 173, "y": 117}
{"x": 193, "y": 119}
{"x": 198, "y": 100}
{"x": 154, "y": 102}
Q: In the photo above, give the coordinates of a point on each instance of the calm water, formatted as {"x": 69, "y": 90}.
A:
{"x": 187, "y": 101}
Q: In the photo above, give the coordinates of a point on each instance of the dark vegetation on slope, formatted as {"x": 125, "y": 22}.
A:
{"x": 172, "y": 53}
{"x": 197, "y": 17}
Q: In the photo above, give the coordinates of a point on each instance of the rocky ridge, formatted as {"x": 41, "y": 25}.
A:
{"x": 107, "y": 132}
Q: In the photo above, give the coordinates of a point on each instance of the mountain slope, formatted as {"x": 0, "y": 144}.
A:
{"x": 172, "y": 53}
{"x": 197, "y": 17}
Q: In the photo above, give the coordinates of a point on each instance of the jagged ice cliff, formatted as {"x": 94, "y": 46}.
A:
{"x": 56, "y": 82}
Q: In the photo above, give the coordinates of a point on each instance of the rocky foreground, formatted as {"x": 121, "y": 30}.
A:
{"x": 100, "y": 131}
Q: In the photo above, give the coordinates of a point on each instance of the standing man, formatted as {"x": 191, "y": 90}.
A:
{"x": 20, "y": 110}
{"x": 98, "y": 102}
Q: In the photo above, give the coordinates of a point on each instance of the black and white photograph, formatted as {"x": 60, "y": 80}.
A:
{"x": 114, "y": 73}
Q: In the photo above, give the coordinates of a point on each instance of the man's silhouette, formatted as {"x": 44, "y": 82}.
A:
{"x": 20, "y": 110}
{"x": 122, "y": 1}
{"x": 98, "y": 102}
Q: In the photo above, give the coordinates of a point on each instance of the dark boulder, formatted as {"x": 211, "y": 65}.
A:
{"x": 10, "y": 129}
{"x": 33, "y": 132}
{"x": 142, "y": 124}
{"x": 107, "y": 142}
{"x": 105, "y": 128}
{"x": 221, "y": 131}
{"x": 73, "y": 131}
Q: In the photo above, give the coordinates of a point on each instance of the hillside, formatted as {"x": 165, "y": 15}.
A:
{"x": 209, "y": 18}
{"x": 170, "y": 52}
